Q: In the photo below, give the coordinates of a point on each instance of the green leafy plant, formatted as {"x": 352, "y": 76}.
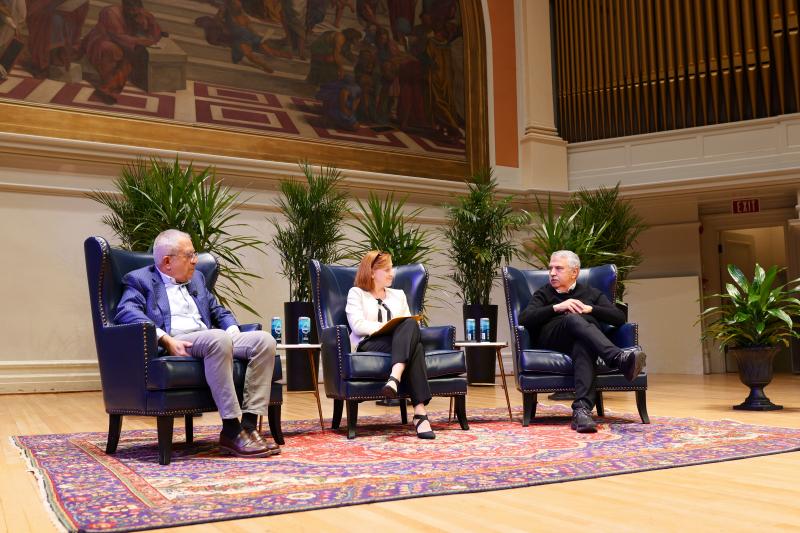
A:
{"x": 384, "y": 226}
{"x": 596, "y": 225}
{"x": 754, "y": 313}
{"x": 480, "y": 230}
{"x": 152, "y": 196}
{"x": 314, "y": 209}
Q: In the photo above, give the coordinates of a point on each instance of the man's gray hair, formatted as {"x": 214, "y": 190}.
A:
{"x": 572, "y": 258}
{"x": 166, "y": 243}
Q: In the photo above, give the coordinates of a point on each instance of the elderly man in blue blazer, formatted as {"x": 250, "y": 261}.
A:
{"x": 191, "y": 323}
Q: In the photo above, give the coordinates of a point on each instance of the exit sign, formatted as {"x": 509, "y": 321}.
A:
{"x": 745, "y": 205}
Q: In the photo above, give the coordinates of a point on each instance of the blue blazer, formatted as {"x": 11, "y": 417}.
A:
{"x": 144, "y": 299}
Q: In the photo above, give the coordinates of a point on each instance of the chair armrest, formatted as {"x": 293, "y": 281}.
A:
{"x": 626, "y": 335}
{"x": 438, "y": 337}
{"x": 250, "y": 327}
{"x": 335, "y": 342}
{"x": 524, "y": 338}
{"x": 123, "y": 353}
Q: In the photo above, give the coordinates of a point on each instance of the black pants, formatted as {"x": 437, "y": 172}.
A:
{"x": 584, "y": 343}
{"x": 405, "y": 345}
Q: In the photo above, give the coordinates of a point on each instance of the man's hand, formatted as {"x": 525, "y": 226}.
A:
{"x": 175, "y": 346}
{"x": 572, "y": 306}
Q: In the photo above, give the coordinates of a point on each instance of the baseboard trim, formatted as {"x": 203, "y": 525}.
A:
{"x": 17, "y": 377}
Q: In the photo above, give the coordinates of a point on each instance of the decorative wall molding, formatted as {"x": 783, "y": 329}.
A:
{"x": 252, "y": 174}
{"x": 695, "y": 159}
{"x": 49, "y": 376}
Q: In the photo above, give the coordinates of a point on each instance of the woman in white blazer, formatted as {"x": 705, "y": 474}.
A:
{"x": 370, "y": 304}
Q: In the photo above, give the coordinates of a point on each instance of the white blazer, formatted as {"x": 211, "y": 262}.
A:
{"x": 362, "y": 312}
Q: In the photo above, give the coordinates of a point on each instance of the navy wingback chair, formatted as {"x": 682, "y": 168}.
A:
{"x": 539, "y": 370}
{"x": 137, "y": 378}
{"x": 353, "y": 377}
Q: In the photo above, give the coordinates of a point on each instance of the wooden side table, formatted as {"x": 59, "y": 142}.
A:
{"x": 498, "y": 346}
{"x": 310, "y": 349}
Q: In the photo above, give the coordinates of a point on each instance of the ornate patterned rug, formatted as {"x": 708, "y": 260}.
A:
{"x": 86, "y": 490}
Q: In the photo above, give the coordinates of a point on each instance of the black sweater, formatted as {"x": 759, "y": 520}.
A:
{"x": 539, "y": 315}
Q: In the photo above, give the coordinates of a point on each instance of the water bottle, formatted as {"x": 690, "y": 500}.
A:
{"x": 275, "y": 329}
{"x": 303, "y": 330}
{"x": 471, "y": 329}
{"x": 484, "y": 330}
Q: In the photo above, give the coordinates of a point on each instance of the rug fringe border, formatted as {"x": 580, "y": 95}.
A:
{"x": 44, "y": 494}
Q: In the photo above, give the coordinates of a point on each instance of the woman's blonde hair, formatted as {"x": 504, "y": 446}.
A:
{"x": 371, "y": 260}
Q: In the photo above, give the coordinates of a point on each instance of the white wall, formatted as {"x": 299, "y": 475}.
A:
{"x": 666, "y": 310}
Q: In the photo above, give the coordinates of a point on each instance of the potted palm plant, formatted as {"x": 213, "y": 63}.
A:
{"x": 383, "y": 225}
{"x": 754, "y": 319}
{"x": 313, "y": 209}
{"x": 480, "y": 229}
{"x": 153, "y": 195}
{"x": 597, "y": 225}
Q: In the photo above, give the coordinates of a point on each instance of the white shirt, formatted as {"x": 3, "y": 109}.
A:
{"x": 185, "y": 317}
{"x": 362, "y": 312}
{"x": 570, "y": 288}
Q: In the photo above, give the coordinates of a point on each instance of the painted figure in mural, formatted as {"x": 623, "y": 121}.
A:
{"x": 115, "y": 43}
{"x": 12, "y": 16}
{"x": 54, "y": 33}
{"x": 340, "y": 100}
{"x": 389, "y": 58}
{"x": 266, "y": 10}
{"x": 244, "y": 42}
{"x": 328, "y": 54}
{"x": 446, "y": 120}
{"x": 401, "y": 17}
{"x": 367, "y": 12}
{"x": 315, "y": 13}
{"x": 367, "y": 77}
{"x": 339, "y": 6}
{"x": 294, "y": 24}
{"x": 440, "y": 11}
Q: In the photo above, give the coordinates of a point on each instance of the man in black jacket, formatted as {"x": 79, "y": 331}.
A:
{"x": 565, "y": 316}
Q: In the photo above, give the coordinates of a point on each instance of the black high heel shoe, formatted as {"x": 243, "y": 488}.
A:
{"x": 388, "y": 391}
{"x": 419, "y": 419}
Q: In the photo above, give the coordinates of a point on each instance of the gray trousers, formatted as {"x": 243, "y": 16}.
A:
{"x": 217, "y": 350}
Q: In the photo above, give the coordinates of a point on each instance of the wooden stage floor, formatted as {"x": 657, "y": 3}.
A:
{"x": 754, "y": 494}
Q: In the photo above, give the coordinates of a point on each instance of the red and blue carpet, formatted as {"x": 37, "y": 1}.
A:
{"x": 87, "y": 490}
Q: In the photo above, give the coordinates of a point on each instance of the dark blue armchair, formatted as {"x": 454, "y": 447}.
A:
{"x": 139, "y": 379}
{"x": 353, "y": 377}
{"x": 539, "y": 370}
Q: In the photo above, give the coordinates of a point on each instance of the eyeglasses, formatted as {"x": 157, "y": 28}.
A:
{"x": 189, "y": 256}
{"x": 375, "y": 260}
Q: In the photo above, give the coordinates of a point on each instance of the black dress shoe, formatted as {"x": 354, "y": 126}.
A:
{"x": 244, "y": 445}
{"x": 268, "y": 442}
{"x": 631, "y": 362}
{"x": 582, "y": 421}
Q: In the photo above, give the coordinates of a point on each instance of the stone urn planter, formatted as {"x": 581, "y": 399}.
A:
{"x": 755, "y": 371}
{"x": 751, "y": 320}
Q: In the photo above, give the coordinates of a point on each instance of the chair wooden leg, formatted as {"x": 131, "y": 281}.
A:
{"x": 189, "y": 428}
{"x": 403, "y": 411}
{"x": 461, "y": 410}
{"x": 165, "y": 424}
{"x": 336, "y": 420}
{"x": 601, "y": 410}
{"x": 528, "y": 407}
{"x": 641, "y": 405}
{"x": 352, "y": 417}
{"x": 114, "y": 429}
{"x": 274, "y": 421}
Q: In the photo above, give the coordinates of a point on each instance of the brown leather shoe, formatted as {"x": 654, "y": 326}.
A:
{"x": 244, "y": 445}
{"x": 267, "y": 440}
